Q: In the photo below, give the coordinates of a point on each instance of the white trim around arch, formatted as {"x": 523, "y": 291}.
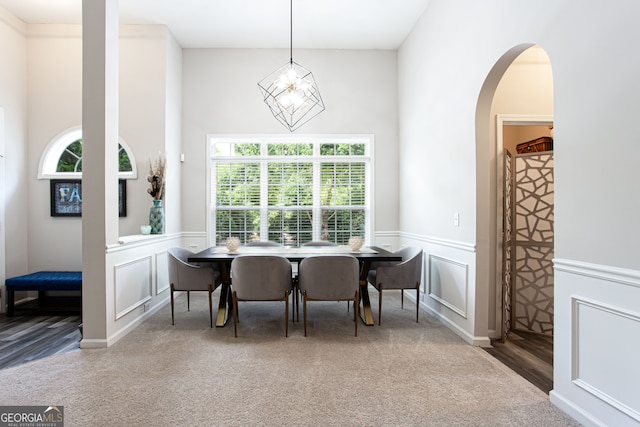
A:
{"x": 54, "y": 149}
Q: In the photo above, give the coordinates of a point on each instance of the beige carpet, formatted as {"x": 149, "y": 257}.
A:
{"x": 397, "y": 374}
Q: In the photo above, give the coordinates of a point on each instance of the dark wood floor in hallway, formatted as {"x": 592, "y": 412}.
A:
{"x": 28, "y": 336}
{"x": 530, "y": 355}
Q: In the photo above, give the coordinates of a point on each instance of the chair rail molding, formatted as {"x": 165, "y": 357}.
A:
{"x": 622, "y": 276}
{"x": 463, "y": 246}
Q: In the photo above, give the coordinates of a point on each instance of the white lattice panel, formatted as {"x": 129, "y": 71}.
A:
{"x": 532, "y": 274}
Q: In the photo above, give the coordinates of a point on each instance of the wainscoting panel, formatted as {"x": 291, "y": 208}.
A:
{"x": 132, "y": 285}
{"x": 162, "y": 272}
{"x": 448, "y": 283}
{"x": 595, "y": 352}
{"x": 597, "y": 327}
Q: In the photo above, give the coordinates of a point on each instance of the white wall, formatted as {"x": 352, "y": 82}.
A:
{"x": 143, "y": 116}
{"x": 526, "y": 87}
{"x": 446, "y": 83}
{"x": 13, "y": 98}
{"x": 55, "y": 105}
{"x": 55, "y": 101}
{"x": 221, "y": 96}
{"x": 173, "y": 135}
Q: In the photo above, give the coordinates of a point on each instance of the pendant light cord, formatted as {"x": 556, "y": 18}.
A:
{"x": 291, "y": 32}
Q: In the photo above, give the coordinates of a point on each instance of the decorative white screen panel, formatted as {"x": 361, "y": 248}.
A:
{"x": 162, "y": 272}
{"x": 603, "y": 340}
{"x": 132, "y": 285}
{"x": 507, "y": 244}
{"x": 533, "y": 308}
{"x": 532, "y": 247}
{"x": 448, "y": 283}
{"x": 534, "y": 194}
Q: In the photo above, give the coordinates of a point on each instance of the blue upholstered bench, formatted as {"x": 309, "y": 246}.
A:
{"x": 42, "y": 281}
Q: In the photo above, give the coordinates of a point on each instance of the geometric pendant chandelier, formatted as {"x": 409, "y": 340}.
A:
{"x": 291, "y": 92}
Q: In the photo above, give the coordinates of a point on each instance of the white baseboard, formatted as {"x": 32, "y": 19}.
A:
{"x": 122, "y": 332}
{"x": 470, "y": 339}
{"x": 573, "y": 411}
{"x": 92, "y": 343}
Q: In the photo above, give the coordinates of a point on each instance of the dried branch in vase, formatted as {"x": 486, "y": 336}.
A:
{"x": 156, "y": 178}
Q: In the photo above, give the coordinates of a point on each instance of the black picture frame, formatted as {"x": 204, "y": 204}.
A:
{"x": 66, "y": 197}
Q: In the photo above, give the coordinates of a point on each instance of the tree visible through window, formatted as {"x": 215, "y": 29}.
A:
{"x": 71, "y": 158}
{"x": 290, "y": 191}
{"x": 62, "y": 158}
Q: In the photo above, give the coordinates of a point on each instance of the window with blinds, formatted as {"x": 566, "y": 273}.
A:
{"x": 288, "y": 189}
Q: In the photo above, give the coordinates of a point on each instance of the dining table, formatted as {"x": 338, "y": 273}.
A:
{"x": 221, "y": 257}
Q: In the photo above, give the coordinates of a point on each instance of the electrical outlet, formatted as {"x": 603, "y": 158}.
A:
{"x": 146, "y": 307}
{"x": 456, "y": 219}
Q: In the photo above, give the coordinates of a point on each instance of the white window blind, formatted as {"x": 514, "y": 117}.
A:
{"x": 289, "y": 189}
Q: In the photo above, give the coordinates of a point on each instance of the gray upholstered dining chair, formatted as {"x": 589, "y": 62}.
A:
{"x": 329, "y": 278}
{"x": 312, "y": 243}
{"x": 403, "y": 275}
{"x": 260, "y": 278}
{"x": 184, "y": 276}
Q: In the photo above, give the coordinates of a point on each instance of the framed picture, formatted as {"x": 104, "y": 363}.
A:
{"x": 66, "y": 197}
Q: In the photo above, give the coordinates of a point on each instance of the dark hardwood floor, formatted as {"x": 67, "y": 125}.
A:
{"x": 30, "y": 335}
{"x": 530, "y": 355}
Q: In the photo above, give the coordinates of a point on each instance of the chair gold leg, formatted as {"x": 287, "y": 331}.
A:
{"x": 188, "y": 302}
{"x": 402, "y": 299}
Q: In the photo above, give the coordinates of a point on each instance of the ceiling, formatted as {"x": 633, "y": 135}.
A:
{"x": 317, "y": 24}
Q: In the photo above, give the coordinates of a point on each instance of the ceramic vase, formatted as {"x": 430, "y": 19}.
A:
{"x": 156, "y": 217}
{"x": 233, "y": 243}
{"x": 355, "y": 243}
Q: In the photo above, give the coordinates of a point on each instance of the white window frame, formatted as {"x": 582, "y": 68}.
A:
{"x": 55, "y": 149}
{"x": 368, "y": 158}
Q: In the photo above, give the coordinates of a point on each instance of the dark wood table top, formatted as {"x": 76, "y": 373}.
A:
{"x": 295, "y": 254}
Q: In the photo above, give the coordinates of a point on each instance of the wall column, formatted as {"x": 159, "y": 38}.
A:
{"x": 100, "y": 164}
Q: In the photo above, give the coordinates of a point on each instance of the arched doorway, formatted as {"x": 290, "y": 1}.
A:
{"x": 518, "y": 91}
